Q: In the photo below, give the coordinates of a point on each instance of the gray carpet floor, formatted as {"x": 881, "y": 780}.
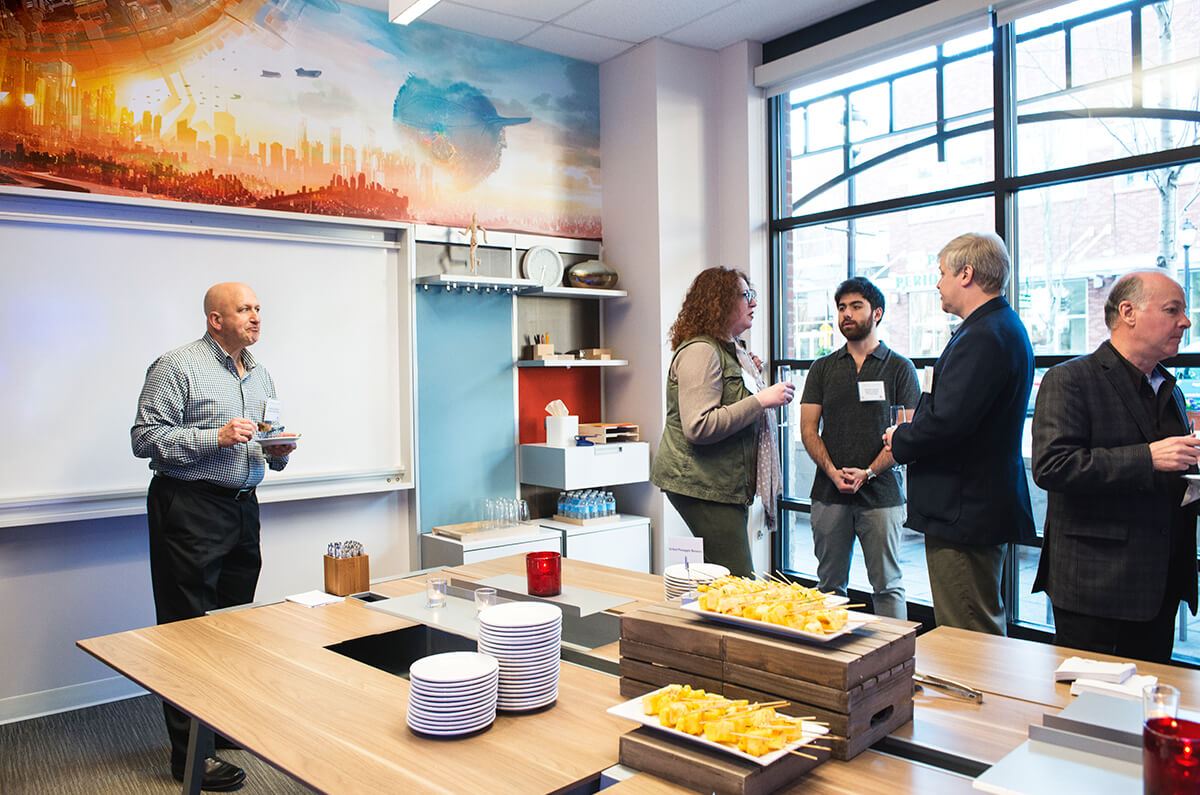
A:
{"x": 112, "y": 749}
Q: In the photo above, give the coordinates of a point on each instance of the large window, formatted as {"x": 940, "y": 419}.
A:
{"x": 1090, "y": 112}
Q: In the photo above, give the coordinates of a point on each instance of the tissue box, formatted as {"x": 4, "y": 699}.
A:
{"x": 561, "y": 431}
{"x": 344, "y": 576}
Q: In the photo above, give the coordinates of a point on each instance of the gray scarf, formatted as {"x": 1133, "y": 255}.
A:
{"x": 769, "y": 475}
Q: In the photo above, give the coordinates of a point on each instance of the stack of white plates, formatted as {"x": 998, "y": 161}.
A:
{"x": 525, "y": 638}
{"x": 679, "y": 579}
{"x": 452, "y": 693}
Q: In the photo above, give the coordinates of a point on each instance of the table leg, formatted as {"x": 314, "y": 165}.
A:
{"x": 199, "y": 737}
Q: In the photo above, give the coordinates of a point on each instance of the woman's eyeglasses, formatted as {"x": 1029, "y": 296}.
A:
{"x": 750, "y": 295}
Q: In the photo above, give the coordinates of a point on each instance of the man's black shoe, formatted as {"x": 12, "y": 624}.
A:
{"x": 223, "y": 743}
{"x": 219, "y": 775}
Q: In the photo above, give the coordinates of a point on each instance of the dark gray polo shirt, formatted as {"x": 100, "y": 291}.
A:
{"x": 853, "y": 429}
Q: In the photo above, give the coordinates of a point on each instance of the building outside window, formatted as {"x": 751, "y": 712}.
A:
{"x": 1085, "y": 158}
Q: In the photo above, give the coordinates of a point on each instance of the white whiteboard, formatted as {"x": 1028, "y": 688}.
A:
{"x": 85, "y": 309}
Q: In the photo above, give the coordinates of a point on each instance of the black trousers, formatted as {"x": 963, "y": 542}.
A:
{"x": 1150, "y": 640}
{"x": 204, "y": 555}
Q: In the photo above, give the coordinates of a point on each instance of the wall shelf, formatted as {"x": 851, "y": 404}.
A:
{"x": 572, "y": 363}
{"x": 468, "y": 283}
{"x": 574, "y": 292}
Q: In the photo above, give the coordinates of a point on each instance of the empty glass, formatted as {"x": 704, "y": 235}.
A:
{"x": 484, "y": 598}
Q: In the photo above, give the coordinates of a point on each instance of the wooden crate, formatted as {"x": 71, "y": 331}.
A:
{"x": 692, "y": 765}
{"x": 860, "y": 683}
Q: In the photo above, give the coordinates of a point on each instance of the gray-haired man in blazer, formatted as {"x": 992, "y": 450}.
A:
{"x": 1110, "y": 446}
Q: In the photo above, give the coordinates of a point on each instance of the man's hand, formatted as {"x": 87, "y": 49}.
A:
{"x": 236, "y": 431}
{"x": 1175, "y": 453}
{"x": 887, "y": 438}
{"x": 776, "y": 395}
{"x": 851, "y": 480}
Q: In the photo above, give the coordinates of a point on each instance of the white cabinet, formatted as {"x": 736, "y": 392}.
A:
{"x": 442, "y": 551}
{"x": 591, "y": 467}
{"x": 623, "y": 543}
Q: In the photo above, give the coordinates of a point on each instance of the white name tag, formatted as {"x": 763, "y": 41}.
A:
{"x": 869, "y": 391}
{"x": 273, "y": 411}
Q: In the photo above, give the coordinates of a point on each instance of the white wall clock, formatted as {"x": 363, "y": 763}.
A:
{"x": 544, "y": 265}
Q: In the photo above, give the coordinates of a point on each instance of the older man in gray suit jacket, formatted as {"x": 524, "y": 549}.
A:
{"x": 1110, "y": 446}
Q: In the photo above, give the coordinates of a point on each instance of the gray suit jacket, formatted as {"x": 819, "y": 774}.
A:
{"x": 1107, "y": 542}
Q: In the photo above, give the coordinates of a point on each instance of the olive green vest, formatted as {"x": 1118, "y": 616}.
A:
{"x": 722, "y": 471}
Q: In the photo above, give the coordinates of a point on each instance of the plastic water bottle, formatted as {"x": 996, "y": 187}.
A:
{"x": 562, "y": 504}
{"x": 576, "y": 509}
{"x": 610, "y": 504}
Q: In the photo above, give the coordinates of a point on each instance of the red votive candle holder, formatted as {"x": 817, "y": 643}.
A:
{"x": 543, "y": 573}
{"x": 1170, "y": 756}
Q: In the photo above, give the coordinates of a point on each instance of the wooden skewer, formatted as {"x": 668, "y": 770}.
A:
{"x": 801, "y": 753}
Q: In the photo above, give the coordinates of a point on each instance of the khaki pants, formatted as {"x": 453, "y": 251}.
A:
{"x": 965, "y": 581}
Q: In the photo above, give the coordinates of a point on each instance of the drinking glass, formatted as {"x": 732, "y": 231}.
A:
{"x": 484, "y": 598}
{"x": 1170, "y": 745}
{"x": 435, "y": 592}
{"x": 523, "y": 511}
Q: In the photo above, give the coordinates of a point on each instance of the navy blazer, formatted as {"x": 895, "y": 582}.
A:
{"x": 967, "y": 481}
{"x": 1108, "y": 545}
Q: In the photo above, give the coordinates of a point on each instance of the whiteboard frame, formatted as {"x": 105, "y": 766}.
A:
{"x": 60, "y": 208}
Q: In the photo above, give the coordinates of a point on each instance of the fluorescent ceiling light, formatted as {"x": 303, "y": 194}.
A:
{"x": 404, "y": 11}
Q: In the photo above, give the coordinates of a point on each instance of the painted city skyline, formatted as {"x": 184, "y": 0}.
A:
{"x": 302, "y": 105}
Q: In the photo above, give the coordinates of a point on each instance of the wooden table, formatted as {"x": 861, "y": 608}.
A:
{"x": 1017, "y": 679}
{"x": 263, "y": 678}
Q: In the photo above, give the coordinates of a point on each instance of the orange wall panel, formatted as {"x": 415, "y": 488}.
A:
{"x": 577, "y": 387}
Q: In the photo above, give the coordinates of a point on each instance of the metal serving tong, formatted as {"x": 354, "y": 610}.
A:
{"x": 951, "y": 687}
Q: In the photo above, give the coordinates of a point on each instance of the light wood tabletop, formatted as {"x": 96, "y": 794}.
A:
{"x": 869, "y": 773}
{"x": 263, "y": 678}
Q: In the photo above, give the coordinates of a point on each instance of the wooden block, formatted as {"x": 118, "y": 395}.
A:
{"x": 633, "y": 688}
{"x": 588, "y": 522}
{"x": 610, "y": 432}
{"x": 344, "y": 576}
{"x": 673, "y": 628}
{"x": 660, "y": 676}
{"x": 842, "y": 663}
{"x": 709, "y": 770}
{"x": 683, "y": 660}
{"x": 595, "y": 353}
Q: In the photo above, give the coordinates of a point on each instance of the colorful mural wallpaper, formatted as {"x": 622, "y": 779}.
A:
{"x": 302, "y": 105}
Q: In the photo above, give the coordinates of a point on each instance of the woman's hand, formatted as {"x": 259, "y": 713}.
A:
{"x": 776, "y": 395}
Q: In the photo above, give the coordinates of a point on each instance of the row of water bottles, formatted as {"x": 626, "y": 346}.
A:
{"x": 587, "y": 504}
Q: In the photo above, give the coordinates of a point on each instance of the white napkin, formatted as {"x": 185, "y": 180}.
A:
{"x": 556, "y": 408}
{"x": 314, "y": 598}
{"x": 1081, "y": 668}
{"x": 1131, "y": 688}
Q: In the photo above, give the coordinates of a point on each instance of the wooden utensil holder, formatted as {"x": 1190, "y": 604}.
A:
{"x": 344, "y": 576}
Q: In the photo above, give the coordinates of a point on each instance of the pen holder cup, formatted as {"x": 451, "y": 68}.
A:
{"x": 344, "y": 576}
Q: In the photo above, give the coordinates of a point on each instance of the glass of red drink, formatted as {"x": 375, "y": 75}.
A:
{"x": 1170, "y": 756}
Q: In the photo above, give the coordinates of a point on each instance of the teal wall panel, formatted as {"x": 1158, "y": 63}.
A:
{"x": 466, "y": 418}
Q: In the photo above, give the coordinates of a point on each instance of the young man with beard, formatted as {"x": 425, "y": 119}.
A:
{"x": 856, "y": 491}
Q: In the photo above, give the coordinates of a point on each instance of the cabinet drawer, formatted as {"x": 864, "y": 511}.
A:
{"x": 584, "y": 467}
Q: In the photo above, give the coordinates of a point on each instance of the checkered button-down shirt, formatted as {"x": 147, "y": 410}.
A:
{"x": 189, "y": 394}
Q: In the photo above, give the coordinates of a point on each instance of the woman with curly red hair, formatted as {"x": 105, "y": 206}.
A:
{"x": 718, "y": 444}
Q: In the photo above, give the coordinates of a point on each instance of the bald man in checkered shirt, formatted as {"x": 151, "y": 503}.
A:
{"x": 196, "y": 417}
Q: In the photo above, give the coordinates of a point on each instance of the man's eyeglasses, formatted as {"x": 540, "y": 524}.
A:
{"x": 750, "y": 295}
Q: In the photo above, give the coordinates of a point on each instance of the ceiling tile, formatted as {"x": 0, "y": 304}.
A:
{"x": 636, "y": 20}
{"x": 574, "y": 44}
{"x": 541, "y": 10}
{"x": 756, "y": 20}
{"x": 484, "y": 23}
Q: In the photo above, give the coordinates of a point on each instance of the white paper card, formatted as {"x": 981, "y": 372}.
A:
{"x": 926, "y": 379}
{"x": 679, "y": 547}
{"x": 314, "y": 598}
{"x": 274, "y": 410}
{"x": 871, "y": 391}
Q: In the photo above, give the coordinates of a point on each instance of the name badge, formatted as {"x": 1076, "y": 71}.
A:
{"x": 869, "y": 391}
{"x": 750, "y": 382}
{"x": 273, "y": 411}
